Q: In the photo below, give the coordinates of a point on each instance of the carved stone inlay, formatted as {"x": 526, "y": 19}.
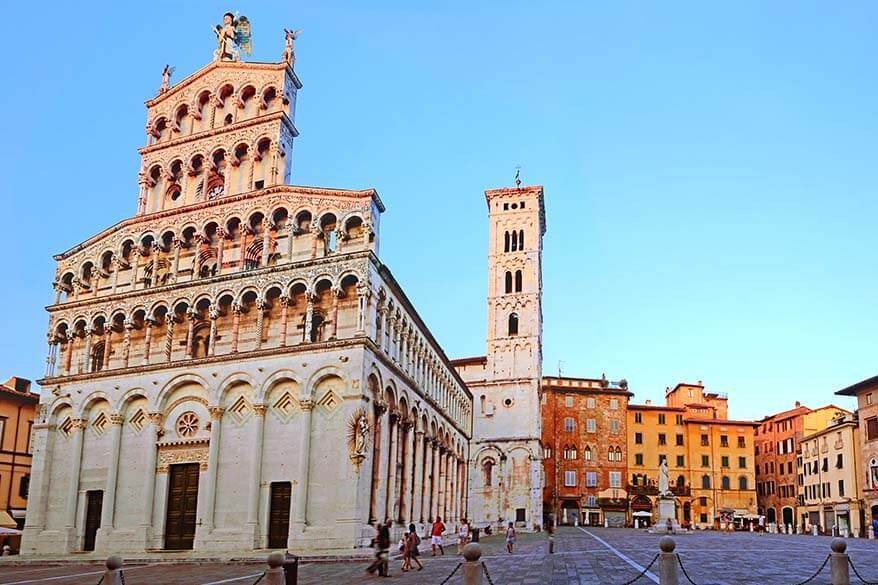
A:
{"x": 171, "y": 454}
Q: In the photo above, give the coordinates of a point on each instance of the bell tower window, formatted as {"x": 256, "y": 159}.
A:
{"x": 513, "y": 324}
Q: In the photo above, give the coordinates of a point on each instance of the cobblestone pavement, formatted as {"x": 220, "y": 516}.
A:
{"x": 591, "y": 556}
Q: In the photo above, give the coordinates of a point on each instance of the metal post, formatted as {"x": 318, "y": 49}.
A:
{"x": 113, "y": 574}
{"x": 291, "y": 569}
{"x": 472, "y": 569}
{"x": 668, "y": 563}
{"x": 838, "y": 563}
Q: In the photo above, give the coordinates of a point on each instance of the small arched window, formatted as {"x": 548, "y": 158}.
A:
{"x": 518, "y": 281}
{"x": 513, "y": 324}
{"x": 705, "y": 482}
{"x": 521, "y": 239}
{"x": 514, "y": 246}
{"x": 726, "y": 483}
{"x": 742, "y": 482}
{"x": 506, "y": 242}
{"x": 482, "y": 403}
{"x": 587, "y": 453}
{"x": 508, "y": 282}
{"x": 681, "y": 481}
{"x": 97, "y": 357}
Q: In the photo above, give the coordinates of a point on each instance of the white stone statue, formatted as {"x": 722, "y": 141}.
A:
{"x": 663, "y": 479}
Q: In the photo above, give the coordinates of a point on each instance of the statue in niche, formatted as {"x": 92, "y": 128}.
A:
{"x": 358, "y": 436}
{"x": 231, "y": 35}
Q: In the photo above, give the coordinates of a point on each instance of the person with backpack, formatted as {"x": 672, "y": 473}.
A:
{"x": 411, "y": 552}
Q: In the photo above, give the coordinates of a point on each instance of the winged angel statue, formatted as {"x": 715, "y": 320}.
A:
{"x": 233, "y": 32}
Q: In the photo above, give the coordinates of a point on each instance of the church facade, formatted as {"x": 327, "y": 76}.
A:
{"x": 233, "y": 367}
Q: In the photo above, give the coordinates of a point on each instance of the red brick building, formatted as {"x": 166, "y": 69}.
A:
{"x": 584, "y": 450}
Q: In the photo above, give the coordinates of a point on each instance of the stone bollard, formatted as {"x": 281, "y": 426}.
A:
{"x": 871, "y": 533}
{"x": 838, "y": 563}
{"x": 472, "y": 569}
{"x": 275, "y": 573}
{"x": 7, "y": 550}
{"x": 113, "y": 574}
{"x": 668, "y": 563}
{"x": 813, "y": 530}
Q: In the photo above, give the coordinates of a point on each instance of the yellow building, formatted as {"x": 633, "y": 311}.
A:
{"x": 17, "y": 412}
{"x": 829, "y": 470}
{"x": 710, "y": 458}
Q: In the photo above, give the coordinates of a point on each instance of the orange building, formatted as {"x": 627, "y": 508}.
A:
{"x": 18, "y": 408}
{"x": 710, "y": 458}
{"x": 778, "y": 443}
{"x": 584, "y": 450}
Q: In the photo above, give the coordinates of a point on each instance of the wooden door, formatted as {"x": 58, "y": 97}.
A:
{"x": 93, "y": 503}
{"x": 279, "y": 514}
{"x": 182, "y": 503}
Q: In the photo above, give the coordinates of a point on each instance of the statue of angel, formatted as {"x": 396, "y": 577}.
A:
{"x": 289, "y": 56}
{"x": 362, "y": 436}
{"x": 166, "y": 78}
{"x": 233, "y": 32}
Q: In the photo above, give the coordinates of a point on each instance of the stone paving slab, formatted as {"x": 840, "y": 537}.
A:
{"x": 581, "y": 559}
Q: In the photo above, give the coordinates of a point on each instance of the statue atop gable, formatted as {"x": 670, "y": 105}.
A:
{"x": 233, "y": 34}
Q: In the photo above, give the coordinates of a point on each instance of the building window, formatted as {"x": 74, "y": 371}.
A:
{"x": 869, "y": 398}
{"x": 518, "y": 281}
{"x": 591, "y": 479}
{"x": 705, "y": 441}
{"x": 841, "y": 488}
{"x": 723, "y": 440}
{"x": 614, "y": 426}
{"x": 873, "y": 473}
{"x": 590, "y": 425}
{"x": 638, "y": 459}
{"x": 587, "y": 453}
{"x": 679, "y": 440}
{"x": 2, "y": 429}
{"x": 488, "y": 471}
{"x": 679, "y": 419}
{"x": 872, "y": 428}
{"x": 591, "y": 502}
{"x": 726, "y": 483}
{"x": 513, "y": 324}
{"x": 568, "y": 401}
{"x": 508, "y": 282}
{"x": 638, "y": 438}
{"x": 724, "y": 461}
{"x": 839, "y": 461}
{"x": 569, "y": 479}
{"x": 547, "y": 452}
{"x": 24, "y": 486}
{"x": 638, "y": 417}
{"x": 571, "y": 452}
{"x": 614, "y": 404}
{"x": 661, "y": 419}
{"x": 589, "y": 402}
{"x": 741, "y": 443}
{"x": 615, "y": 479}
{"x": 705, "y": 482}
{"x": 662, "y": 440}
{"x": 568, "y": 424}
{"x": 705, "y": 461}
{"x": 742, "y": 462}
{"x": 681, "y": 461}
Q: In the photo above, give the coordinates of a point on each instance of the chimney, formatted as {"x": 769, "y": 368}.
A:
{"x": 648, "y": 402}
{"x": 798, "y": 404}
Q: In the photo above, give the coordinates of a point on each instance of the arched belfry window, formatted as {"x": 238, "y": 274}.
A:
{"x": 487, "y": 471}
{"x": 514, "y": 246}
{"x": 506, "y": 242}
{"x": 518, "y": 281}
{"x": 97, "y": 357}
{"x": 513, "y": 323}
{"x": 521, "y": 239}
{"x": 508, "y": 282}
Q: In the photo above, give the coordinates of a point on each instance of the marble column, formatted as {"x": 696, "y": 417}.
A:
{"x": 363, "y": 295}
{"x": 391, "y": 466}
{"x": 375, "y": 512}
{"x": 266, "y": 242}
{"x": 256, "y": 471}
{"x": 220, "y": 248}
{"x": 108, "y": 507}
{"x": 418, "y": 486}
{"x": 236, "y": 325}
{"x": 85, "y": 365}
{"x": 452, "y": 487}
{"x": 178, "y": 246}
{"x": 190, "y": 332}
{"x": 284, "y": 301}
{"x": 260, "y": 305}
{"x": 405, "y": 508}
{"x": 435, "y": 481}
{"x": 309, "y": 316}
{"x": 169, "y": 335}
{"x": 156, "y": 419}
{"x": 333, "y": 312}
{"x": 68, "y": 354}
{"x": 300, "y": 516}
{"x": 126, "y": 343}
{"x": 77, "y": 430}
{"x": 147, "y": 340}
{"x": 216, "y": 419}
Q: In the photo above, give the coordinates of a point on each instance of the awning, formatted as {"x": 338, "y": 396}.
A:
{"x": 17, "y": 513}
{"x": 9, "y": 532}
{"x": 642, "y": 514}
{"x": 6, "y": 521}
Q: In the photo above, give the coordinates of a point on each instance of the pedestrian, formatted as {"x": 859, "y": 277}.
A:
{"x": 436, "y": 536}
{"x": 669, "y": 526}
{"x": 462, "y": 536}
{"x": 510, "y": 538}
{"x": 381, "y": 542}
{"x": 411, "y": 553}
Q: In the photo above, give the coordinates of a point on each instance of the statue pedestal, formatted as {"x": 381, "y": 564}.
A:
{"x": 666, "y": 511}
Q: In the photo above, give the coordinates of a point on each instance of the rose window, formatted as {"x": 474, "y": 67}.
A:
{"x": 187, "y": 424}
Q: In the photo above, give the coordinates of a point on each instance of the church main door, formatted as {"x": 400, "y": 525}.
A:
{"x": 279, "y": 515}
{"x": 93, "y": 503}
{"x": 182, "y": 503}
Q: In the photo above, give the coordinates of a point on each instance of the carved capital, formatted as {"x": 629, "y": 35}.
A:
{"x": 214, "y": 314}
{"x": 260, "y": 409}
{"x": 306, "y": 404}
{"x": 380, "y": 407}
{"x": 116, "y": 419}
{"x": 216, "y": 412}
{"x": 156, "y": 418}
{"x": 284, "y": 300}
{"x": 79, "y": 423}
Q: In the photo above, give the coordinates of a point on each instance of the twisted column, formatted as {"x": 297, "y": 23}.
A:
{"x": 211, "y": 345}
{"x": 236, "y": 325}
{"x": 284, "y": 312}
{"x": 148, "y": 323}
{"x": 260, "y": 321}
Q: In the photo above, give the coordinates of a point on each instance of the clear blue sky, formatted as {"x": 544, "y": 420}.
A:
{"x": 710, "y": 173}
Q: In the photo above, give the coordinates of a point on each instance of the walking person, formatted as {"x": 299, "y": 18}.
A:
{"x": 462, "y": 536}
{"x": 436, "y": 535}
{"x": 381, "y": 542}
{"x": 412, "y": 542}
{"x": 510, "y": 538}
